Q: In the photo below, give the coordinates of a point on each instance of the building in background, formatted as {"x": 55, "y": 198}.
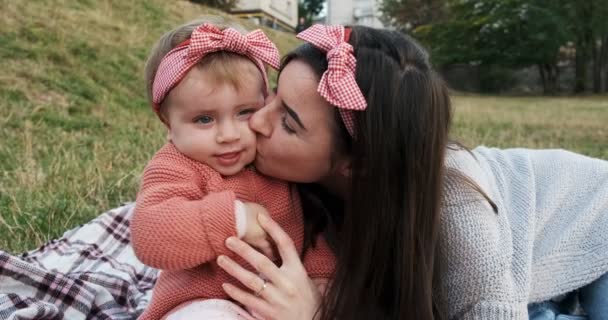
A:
{"x": 354, "y": 12}
{"x": 277, "y": 14}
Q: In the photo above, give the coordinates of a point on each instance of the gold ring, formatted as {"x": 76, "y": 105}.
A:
{"x": 259, "y": 292}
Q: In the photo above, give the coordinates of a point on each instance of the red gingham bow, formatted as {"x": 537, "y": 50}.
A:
{"x": 205, "y": 39}
{"x": 338, "y": 85}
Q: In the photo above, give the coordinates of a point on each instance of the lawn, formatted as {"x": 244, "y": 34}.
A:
{"x": 76, "y": 131}
{"x": 576, "y": 123}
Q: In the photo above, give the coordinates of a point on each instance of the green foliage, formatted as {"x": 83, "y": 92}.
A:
{"x": 410, "y": 14}
{"x": 495, "y": 79}
{"x": 309, "y": 9}
{"x": 510, "y": 33}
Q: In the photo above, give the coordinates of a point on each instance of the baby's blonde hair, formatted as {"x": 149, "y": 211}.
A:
{"x": 223, "y": 66}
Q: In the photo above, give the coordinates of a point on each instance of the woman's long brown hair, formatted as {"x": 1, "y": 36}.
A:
{"x": 386, "y": 234}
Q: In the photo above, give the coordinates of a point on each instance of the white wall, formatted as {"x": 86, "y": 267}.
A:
{"x": 339, "y": 11}
{"x": 284, "y": 10}
{"x": 247, "y": 5}
{"x": 354, "y": 12}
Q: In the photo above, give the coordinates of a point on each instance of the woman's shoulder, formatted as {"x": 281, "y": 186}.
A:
{"x": 519, "y": 169}
{"x": 462, "y": 163}
{"x": 460, "y": 157}
{"x": 494, "y": 168}
{"x": 471, "y": 190}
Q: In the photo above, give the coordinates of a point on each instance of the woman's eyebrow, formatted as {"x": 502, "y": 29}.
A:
{"x": 294, "y": 115}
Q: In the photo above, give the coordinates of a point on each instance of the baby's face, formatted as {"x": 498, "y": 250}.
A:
{"x": 209, "y": 122}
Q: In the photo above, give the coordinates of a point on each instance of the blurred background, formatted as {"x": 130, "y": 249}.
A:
{"x": 76, "y": 129}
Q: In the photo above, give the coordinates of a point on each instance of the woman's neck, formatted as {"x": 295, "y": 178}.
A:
{"x": 337, "y": 184}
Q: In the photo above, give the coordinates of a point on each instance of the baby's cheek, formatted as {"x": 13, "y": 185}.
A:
{"x": 248, "y": 140}
{"x": 247, "y": 135}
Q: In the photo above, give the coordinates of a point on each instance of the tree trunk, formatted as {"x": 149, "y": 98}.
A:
{"x": 549, "y": 75}
{"x": 584, "y": 43}
{"x": 543, "y": 78}
{"x": 597, "y": 67}
{"x": 604, "y": 63}
{"x": 554, "y": 77}
{"x": 581, "y": 67}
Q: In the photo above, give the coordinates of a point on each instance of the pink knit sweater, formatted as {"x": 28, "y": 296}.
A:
{"x": 184, "y": 213}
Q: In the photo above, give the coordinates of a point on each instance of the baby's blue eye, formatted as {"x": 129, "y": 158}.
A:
{"x": 204, "y": 119}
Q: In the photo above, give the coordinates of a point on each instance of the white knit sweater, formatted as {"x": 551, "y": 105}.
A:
{"x": 549, "y": 237}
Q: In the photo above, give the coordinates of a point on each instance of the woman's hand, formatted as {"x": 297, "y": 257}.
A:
{"x": 287, "y": 292}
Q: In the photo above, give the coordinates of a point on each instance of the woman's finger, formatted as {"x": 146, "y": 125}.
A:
{"x": 246, "y": 277}
{"x": 249, "y": 300}
{"x": 260, "y": 287}
{"x": 257, "y": 260}
{"x": 285, "y": 245}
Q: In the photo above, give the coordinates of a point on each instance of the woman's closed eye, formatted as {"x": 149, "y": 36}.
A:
{"x": 293, "y": 116}
{"x": 286, "y": 126}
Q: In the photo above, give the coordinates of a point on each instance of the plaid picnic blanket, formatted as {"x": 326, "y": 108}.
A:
{"x": 91, "y": 272}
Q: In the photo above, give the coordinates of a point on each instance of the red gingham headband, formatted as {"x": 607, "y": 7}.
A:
{"x": 337, "y": 85}
{"x": 205, "y": 39}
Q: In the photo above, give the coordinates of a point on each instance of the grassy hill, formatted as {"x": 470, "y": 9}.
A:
{"x": 75, "y": 127}
{"x": 76, "y": 131}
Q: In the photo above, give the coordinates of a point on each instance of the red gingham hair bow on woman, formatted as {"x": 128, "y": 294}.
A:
{"x": 337, "y": 85}
{"x": 205, "y": 39}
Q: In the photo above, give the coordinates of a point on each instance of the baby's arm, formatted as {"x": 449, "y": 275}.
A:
{"x": 175, "y": 224}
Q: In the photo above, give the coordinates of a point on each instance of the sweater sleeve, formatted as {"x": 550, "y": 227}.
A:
{"x": 479, "y": 279}
{"x": 176, "y": 225}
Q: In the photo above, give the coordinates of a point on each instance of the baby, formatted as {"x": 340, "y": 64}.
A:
{"x": 205, "y": 81}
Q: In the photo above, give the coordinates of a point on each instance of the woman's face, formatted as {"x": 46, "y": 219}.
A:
{"x": 294, "y": 140}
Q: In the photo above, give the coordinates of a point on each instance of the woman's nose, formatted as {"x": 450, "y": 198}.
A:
{"x": 260, "y": 121}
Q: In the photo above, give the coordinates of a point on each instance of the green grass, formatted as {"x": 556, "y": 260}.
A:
{"x": 579, "y": 124}
{"x": 75, "y": 127}
{"x": 76, "y": 130}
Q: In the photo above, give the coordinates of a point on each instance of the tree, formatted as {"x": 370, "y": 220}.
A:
{"x": 410, "y": 14}
{"x": 505, "y": 33}
{"x": 580, "y": 17}
{"x": 309, "y": 9}
{"x": 599, "y": 24}
{"x": 588, "y": 25}
{"x": 604, "y": 59}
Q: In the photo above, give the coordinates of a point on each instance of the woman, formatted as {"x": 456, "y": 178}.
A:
{"x": 422, "y": 228}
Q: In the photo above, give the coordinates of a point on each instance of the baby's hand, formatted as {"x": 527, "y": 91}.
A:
{"x": 322, "y": 284}
{"x": 254, "y": 234}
